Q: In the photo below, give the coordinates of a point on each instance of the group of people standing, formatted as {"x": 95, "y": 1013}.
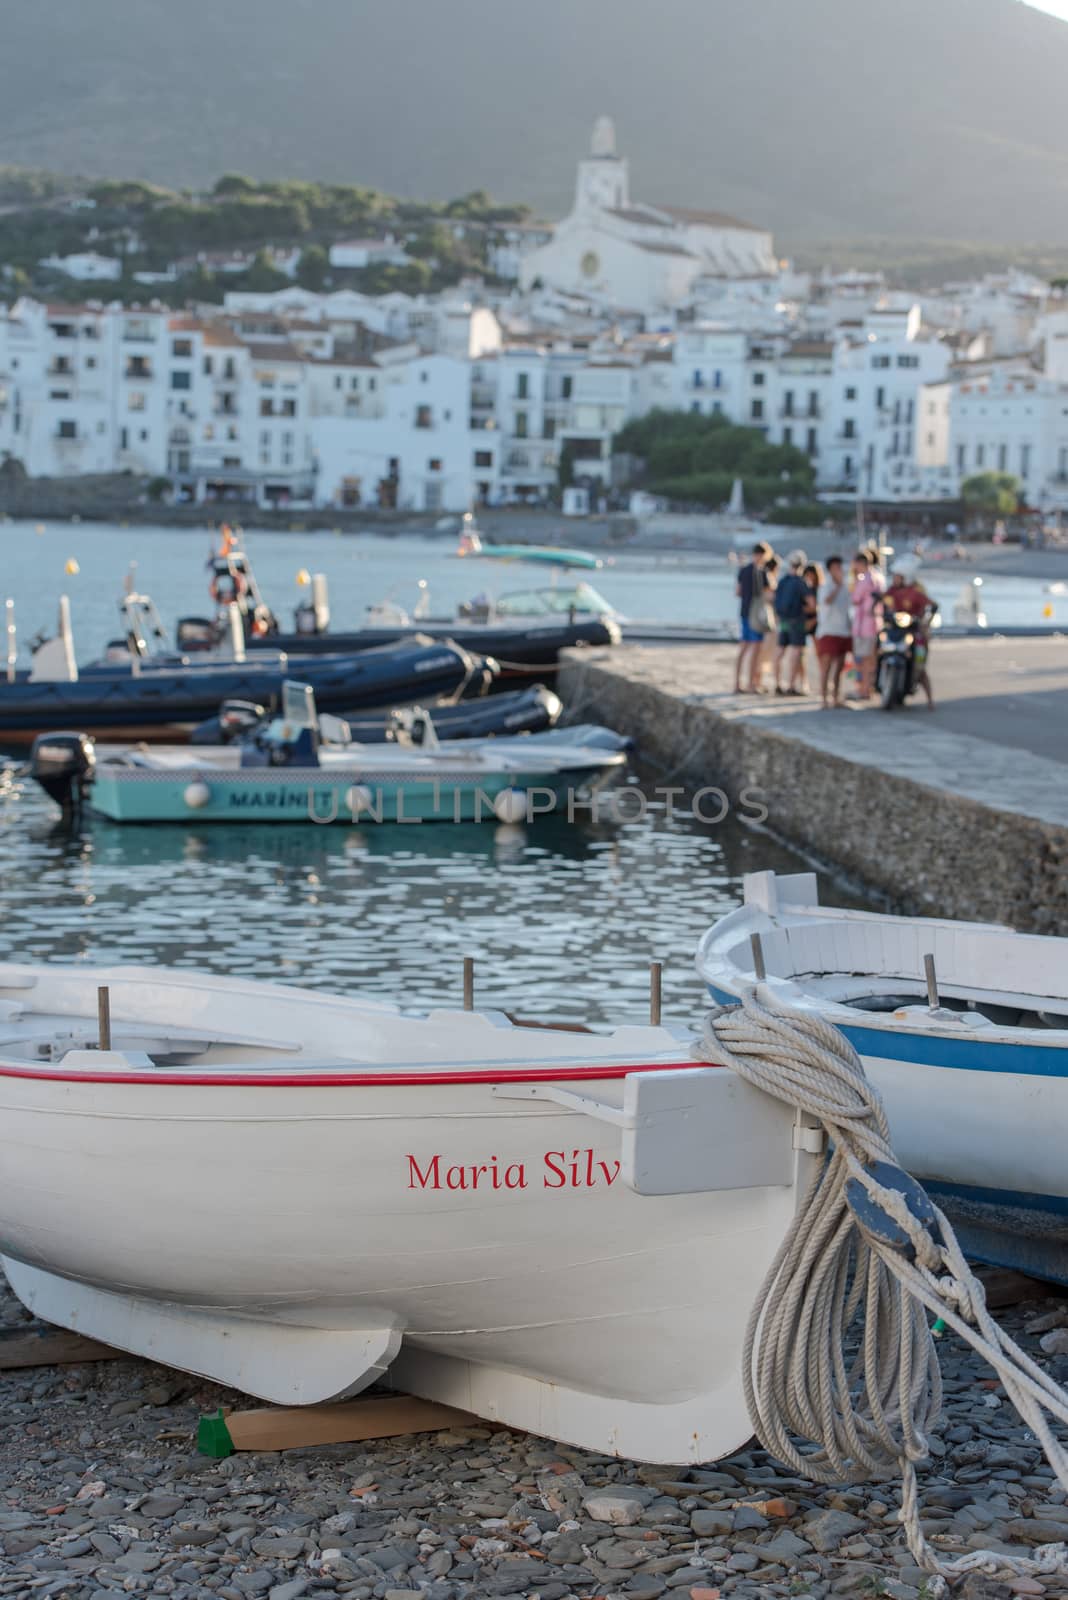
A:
{"x": 840, "y": 611}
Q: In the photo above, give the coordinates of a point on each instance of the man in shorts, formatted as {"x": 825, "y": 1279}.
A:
{"x": 790, "y": 614}
{"x": 834, "y": 632}
{"x": 749, "y": 588}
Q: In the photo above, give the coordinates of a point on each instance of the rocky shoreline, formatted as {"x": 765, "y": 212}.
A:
{"x": 102, "y": 1493}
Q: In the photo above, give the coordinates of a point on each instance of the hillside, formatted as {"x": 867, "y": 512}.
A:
{"x": 820, "y": 118}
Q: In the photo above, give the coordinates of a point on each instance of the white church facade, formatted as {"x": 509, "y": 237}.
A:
{"x": 637, "y": 257}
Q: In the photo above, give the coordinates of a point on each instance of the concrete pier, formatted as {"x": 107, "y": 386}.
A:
{"x": 961, "y": 812}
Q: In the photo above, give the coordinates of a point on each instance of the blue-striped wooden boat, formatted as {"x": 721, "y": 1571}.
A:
{"x": 976, "y": 1086}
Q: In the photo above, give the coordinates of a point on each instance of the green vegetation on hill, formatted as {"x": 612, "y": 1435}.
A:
{"x": 927, "y": 263}
{"x": 149, "y": 227}
{"x": 27, "y": 186}
{"x": 685, "y": 456}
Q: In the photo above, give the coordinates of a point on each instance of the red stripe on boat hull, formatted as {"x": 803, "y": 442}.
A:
{"x": 350, "y": 1080}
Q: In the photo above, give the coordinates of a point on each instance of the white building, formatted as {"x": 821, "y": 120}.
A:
{"x": 414, "y": 448}
{"x": 87, "y": 267}
{"x": 357, "y": 253}
{"x": 643, "y": 257}
{"x": 510, "y": 244}
{"x": 1004, "y": 417}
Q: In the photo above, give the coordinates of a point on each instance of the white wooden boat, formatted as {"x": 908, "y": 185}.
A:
{"x": 975, "y": 1085}
{"x": 292, "y": 1192}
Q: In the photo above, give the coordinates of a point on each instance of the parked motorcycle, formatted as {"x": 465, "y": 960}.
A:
{"x": 895, "y": 675}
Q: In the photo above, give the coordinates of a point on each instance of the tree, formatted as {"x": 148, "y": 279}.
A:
{"x": 687, "y": 456}
{"x": 232, "y": 184}
{"x": 127, "y": 194}
{"x": 433, "y": 243}
{"x": 993, "y": 493}
{"x": 313, "y": 267}
{"x": 262, "y": 277}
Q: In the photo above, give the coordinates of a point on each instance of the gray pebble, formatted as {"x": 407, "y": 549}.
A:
{"x": 826, "y": 1530}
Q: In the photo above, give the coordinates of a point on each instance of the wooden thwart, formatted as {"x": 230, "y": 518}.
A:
{"x": 349, "y": 1422}
{"x": 47, "y": 1347}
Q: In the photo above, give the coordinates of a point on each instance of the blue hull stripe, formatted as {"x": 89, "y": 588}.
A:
{"x": 975, "y": 1055}
{"x": 1003, "y": 1199}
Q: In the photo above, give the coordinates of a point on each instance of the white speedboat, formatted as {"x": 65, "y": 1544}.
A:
{"x": 291, "y": 1193}
{"x": 970, "y": 1057}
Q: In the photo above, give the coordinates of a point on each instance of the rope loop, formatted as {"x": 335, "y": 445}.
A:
{"x": 867, "y": 1257}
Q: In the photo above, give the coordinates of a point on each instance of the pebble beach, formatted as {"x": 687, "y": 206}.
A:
{"x": 103, "y": 1493}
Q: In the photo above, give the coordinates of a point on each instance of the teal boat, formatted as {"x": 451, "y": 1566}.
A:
{"x": 301, "y": 767}
{"x": 548, "y": 555}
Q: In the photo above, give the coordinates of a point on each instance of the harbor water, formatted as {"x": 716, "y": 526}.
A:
{"x": 562, "y": 919}
{"x": 676, "y": 587}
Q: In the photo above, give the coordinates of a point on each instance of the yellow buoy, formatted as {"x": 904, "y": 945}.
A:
{"x": 303, "y": 578}
{"x": 72, "y": 568}
{"x": 39, "y": 528}
{"x": 1047, "y": 611}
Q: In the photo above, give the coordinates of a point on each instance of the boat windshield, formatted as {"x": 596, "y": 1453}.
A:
{"x": 298, "y": 705}
{"x": 559, "y": 600}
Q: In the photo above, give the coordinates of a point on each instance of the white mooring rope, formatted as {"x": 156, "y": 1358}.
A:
{"x": 869, "y": 1417}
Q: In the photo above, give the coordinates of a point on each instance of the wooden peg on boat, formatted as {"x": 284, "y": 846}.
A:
{"x": 656, "y": 974}
{"x": 469, "y": 983}
{"x": 758, "y": 957}
{"x": 103, "y": 1012}
{"x": 932, "y": 981}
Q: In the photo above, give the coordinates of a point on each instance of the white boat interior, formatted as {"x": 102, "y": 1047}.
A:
{"x": 869, "y": 967}
{"x": 197, "y": 1022}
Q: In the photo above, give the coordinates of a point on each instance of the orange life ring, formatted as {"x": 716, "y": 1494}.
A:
{"x": 239, "y": 582}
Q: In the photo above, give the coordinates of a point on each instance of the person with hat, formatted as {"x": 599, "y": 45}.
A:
{"x": 790, "y": 600}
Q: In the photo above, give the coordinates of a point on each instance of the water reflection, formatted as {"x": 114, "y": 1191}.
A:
{"x": 562, "y": 920}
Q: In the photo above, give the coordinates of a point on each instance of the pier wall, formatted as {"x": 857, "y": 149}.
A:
{"x": 908, "y": 825}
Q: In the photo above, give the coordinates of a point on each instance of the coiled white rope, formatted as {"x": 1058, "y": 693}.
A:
{"x": 869, "y": 1417}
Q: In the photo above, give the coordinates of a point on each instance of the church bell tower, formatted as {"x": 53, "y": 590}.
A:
{"x": 602, "y": 183}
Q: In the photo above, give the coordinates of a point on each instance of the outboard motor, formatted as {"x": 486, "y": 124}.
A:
{"x": 195, "y": 635}
{"x": 64, "y": 764}
{"x": 236, "y": 719}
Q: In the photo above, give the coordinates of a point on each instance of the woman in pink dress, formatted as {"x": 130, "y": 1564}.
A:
{"x": 866, "y": 589}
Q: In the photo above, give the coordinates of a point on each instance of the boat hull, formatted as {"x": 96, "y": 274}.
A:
{"x": 161, "y": 701}
{"x": 488, "y": 1244}
{"x": 352, "y": 795}
{"x": 518, "y": 650}
{"x": 531, "y": 710}
{"x": 978, "y": 1108}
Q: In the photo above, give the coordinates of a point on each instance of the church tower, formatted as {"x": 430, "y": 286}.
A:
{"x": 602, "y": 183}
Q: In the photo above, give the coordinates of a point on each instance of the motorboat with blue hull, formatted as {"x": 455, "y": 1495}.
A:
{"x": 963, "y": 1029}
{"x": 523, "y": 647}
{"x": 132, "y": 695}
{"x": 532, "y": 710}
{"x": 303, "y": 767}
{"x": 522, "y": 650}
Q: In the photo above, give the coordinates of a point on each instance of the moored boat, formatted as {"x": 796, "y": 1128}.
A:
{"x": 535, "y": 709}
{"x": 544, "y": 555}
{"x": 973, "y": 1069}
{"x": 130, "y": 695}
{"x": 300, "y": 767}
{"x": 521, "y": 647}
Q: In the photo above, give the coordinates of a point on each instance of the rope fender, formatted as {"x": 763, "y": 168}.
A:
{"x": 866, "y": 1241}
